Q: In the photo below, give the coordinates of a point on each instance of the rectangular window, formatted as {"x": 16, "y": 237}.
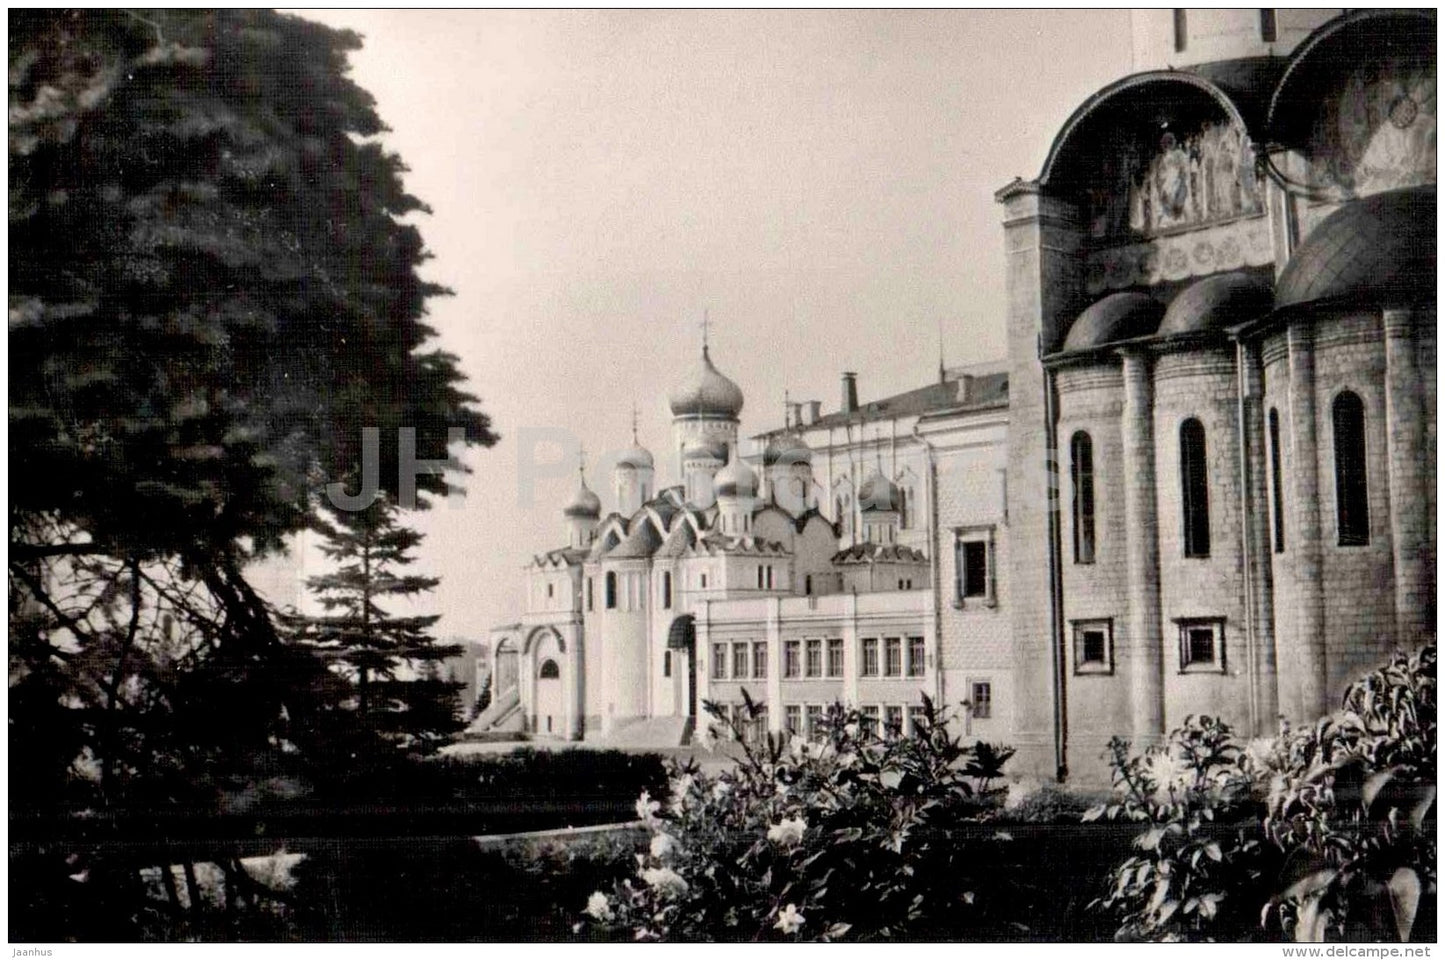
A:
{"x": 1267, "y": 30}
{"x": 973, "y": 566}
{"x": 609, "y": 589}
{"x": 758, "y": 726}
{"x": 740, "y": 720}
{"x": 835, "y": 656}
{"x": 1352, "y": 491}
{"x": 667, "y": 663}
{"x": 760, "y": 660}
{"x": 869, "y": 720}
{"x": 549, "y": 591}
{"x": 893, "y": 720}
{"x": 982, "y": 700}
{"x": 915, "y": 721}
{"x": 740, "y": 661}
{"x": 589, "y": 593}
{"x": 792, "y": 656}
{"x": 1082, "y": 467}
{"x": 1194, "y": 481}
{"x": 770, "y": 576}
{"x": 815, "y": 658}
{"x": 808, "y": 584}
{"x": 760, "y": 576}
{"x": 815, "y": 721}
{"x": 1093, "y": 646}
{"x": 1201, "y": 646}
{"x": 1276, "y": 481}
{"x": 893, "y": 656}
{"x": 916, "y": 657}
{"x": 666, "y": 590}
{"x": 1181, "y": 30}
{"x": 719, "y": 661}
{"x": 793, "y": 719}
{"x": 702, "y": 580}
{"x": 870, "y": 657}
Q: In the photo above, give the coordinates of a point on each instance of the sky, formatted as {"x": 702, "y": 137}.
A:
{"x": 819, "y": 182}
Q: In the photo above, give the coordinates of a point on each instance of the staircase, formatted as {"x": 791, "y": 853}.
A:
{"x": 648, "y": 733}
{"x": 503, "y": 715}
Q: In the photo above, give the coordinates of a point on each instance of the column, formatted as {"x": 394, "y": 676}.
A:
{"x": 1307, "y": 648}
{"x": 773, "y": 626}
{"x": 850, "y": 649}
{"x": 1405, "y": 442}
{"x": 1255, "y": 486}
{"x": 575, "y": 706}
{"x": 1141, "y": 520}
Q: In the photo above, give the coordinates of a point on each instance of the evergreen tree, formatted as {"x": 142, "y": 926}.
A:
{"x": 390, "y": 659}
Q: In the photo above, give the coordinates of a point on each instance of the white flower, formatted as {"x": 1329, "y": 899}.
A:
{"x": 788, "y": 832}
{"x": 647, "y": 808}
{"x": 790, "y": 921}
{"x": 851, "y": 729}
{"x": 661, "y": 845}
{"x": 797, "y": 747}
{"x": 86, "y": 766}
{"x": 665, "y": 881}
{"x": 721, "y": 789}
{"x": 1020, "y": 791}
{"x": 598, "y": 906}
{"x": 1172, "y": 776}
{"x": 681, "y": 787}
{"x": 708, "y": 740}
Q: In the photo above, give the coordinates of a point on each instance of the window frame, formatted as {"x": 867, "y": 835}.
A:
{"x": 719, "y": 661}
{"x": 760, "y": 659}
{"x": 915, "y": 662}
{"x": 793, "y": 719}
{"x": 792, "y": 659}
{"x": 609, "y": 590}
{"x": 1351, "y": 451}
{"x": 1194, "y": 489}
{"x": 974, "y": 686}
{"x": 976, "y": 535}
{"x": 742, "y": 652}
{"x": 813, "y": 658}
{"x": 1220, "y": 651}
{"x": 892, "y": 650}
{"x": 667, "y": 589}
{"x": 1276, "y": 481}
{"x": 1079, "y": 628}
{"x": 868, "y": 650}
{"x": 833, "y": 658}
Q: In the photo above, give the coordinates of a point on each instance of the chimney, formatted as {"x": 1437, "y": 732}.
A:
{"x": 850, "y": 392}
{"x": 815, "y": 410}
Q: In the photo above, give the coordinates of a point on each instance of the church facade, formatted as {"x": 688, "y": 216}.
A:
{"x": 1203, "y": 480}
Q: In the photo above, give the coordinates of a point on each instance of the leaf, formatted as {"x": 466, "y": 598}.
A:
{"x": 1404, "y": 887}
{"x": 1422, "y": 809}
{"x": 1212, "y": 851}
{"x": 1312, "y": 922}
{"x": 1094, "y": 813}
{"x": 838, "y": 929}
{"x": 1149, "y": 839}
{"x": 1375, "y": 783}
{"x": 1166, "y": 911}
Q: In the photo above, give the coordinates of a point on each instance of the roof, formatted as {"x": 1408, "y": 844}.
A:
{"x": 643, "y": 541}
{"x": 563, "y": 556}
{"x": 963, "y": 392}
{"x": 1216, "y": 302}
{"x": 704, "y": 392}
{"x": 678, "y": 542}
{"x": 878, "y": 553}
{"x": 715, "y": 543}
{"x": 584, "y": 504}
{"x": 1119, "y": 316}
{"x": 1379, "y": 250}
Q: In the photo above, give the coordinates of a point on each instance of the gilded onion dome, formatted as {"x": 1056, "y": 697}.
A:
{"x": 737, "y": 479}
{"x": 705, "y": 392}
{"x": 584, "y": 504}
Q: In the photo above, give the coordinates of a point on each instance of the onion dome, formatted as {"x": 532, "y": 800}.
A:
{"x": 705, "y": 450}
{"x": 637, "y": 457}
{"x": 1378, "y": 251}
{"x": 1213, "y": 303}
{"x": 737, "y": 479}
{"x": 878, "y": 493}
{"x": 786, "y": 448}
{"x": 706, "y": 393}
{"x": 584, "y": 504}
{"x": 1119, "y": 316}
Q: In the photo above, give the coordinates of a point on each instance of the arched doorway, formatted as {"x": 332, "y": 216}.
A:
{"x": 549, "y": 698}
{"x": 508, "y": 668}
{"x": 682, "y": 642}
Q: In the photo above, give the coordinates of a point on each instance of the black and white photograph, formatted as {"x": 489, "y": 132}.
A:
{"x": 609, "y": 476}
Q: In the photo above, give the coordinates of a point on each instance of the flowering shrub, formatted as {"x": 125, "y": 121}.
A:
{"x": 854, "y": 836}
{"x": 1323, "y": 832}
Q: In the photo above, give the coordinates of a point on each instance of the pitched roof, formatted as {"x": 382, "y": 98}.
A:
{"x": 878, "y": 553}
{"x": 958, "y": 391}
{"x": 561, "y": 557}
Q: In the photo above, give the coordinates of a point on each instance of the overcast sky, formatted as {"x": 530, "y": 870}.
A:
{"x": 820, "y": 181}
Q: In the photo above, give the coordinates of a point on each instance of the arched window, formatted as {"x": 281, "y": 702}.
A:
{"x": 1276, "y": 484}
{"x": 1081, "y": 449}
{"x": 610, "y": 591}
{"x": 549, "y": 670}
{"x": 1194, "y": 483}
{"x": 1352, "y": 492}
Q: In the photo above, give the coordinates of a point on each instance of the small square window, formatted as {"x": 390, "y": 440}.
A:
{"x": 1201, "y": 646}
{"x": 1093, "y": 646}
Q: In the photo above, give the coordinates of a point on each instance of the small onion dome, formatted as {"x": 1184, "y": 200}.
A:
{"x": 786, "y": 448}
{"x": 706, "y": 393}
{"x": 737, "y": 479}
{"x": 637, "y": 457}
{"x": 706, "y": 450}
{"x": 878, "y": 493}
{"x": 1215, "y": 302}
{"x": 1378, "y": 251}
{"x": 584, "y": 504}
{"x": 1119, "y": 316}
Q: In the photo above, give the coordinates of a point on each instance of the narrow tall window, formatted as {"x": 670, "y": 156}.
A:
{"x": 1082, "y": 450}
{"x": 1194, "y": 481}
{"x": 1352, "y": 491}
{"x": 1276, "y": 486}
{"x": 792, "y": 657}
{"x": 916, "y": 657}
{"x": 740, "y": 660}
{"x": 835, "y": 656}
{"x": 610, "y": 591}
{"x": 893, "y": 656}
{"x": 760, "y": 659}
{"x": 870, "y": 657}
{"x": 1181, "y": 30}
{"x": 719, "y": 661}
{"x": 666, "y": 590}
{"x": 814, "y": 662}
{"x": 1267, "y": 30}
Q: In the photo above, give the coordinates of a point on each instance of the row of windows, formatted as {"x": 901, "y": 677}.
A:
{"x": 807, "y": 720}
{"x": 1352, "y": 494}
{"x": 820, "y": 658}
{"x": 1201, "y": 645}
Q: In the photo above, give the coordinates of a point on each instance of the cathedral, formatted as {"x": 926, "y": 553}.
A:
{"x": 1202, "y": 480}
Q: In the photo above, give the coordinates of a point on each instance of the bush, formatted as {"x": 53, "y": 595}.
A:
{"x": 1327, "y": 832}
{"x": 855, "y": 836}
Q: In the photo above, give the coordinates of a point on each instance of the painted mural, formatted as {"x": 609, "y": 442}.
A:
{"x": 1378, "y": 132}
{"x": 1196, "y": 253}
{"x": 1178, "y": 181}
